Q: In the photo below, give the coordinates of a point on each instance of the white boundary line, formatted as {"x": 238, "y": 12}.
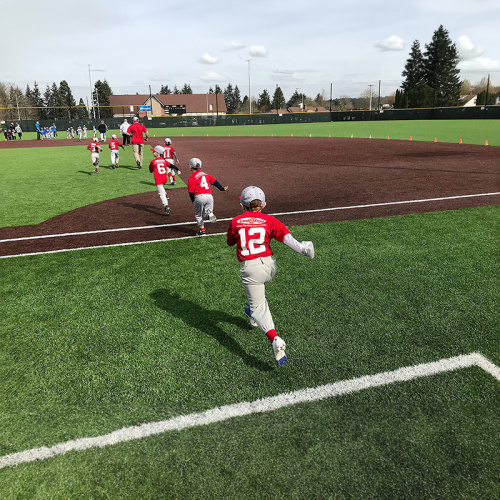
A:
{"x": 212, "y": 234}
{"x": 227, "y": 412}
{"x": 141, "y": 228}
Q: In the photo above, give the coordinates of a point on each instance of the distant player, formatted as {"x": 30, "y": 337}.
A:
{"x": 94, "y": 149}
{"x": 138, "y": 134}
{"x": 102, "y": 128}
{"x": 158, "y": 166}
{"x": 171, "y": 157}
{"x": 79, "y": 132}
{"x": 115, "y": 153}
{"x": 252, "y": 232}
{"x": 201, "y": 194}
{"x": 84, "y": 131}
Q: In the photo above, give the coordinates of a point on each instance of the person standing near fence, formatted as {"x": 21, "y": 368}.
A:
{"x": 137, "y": 132}
{"x": 103, "y": 128}
{"x": 19, "y": 131}
{"x": 38, "y": 131}
{"x": 124, "y": 130}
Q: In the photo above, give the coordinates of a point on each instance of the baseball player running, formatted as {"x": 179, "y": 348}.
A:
{"x": 94, "y": 149}
{"x": 114, "y": 144}
{"x": 201, "y": 194}
{"x": 170, "y": 156}
{"x": 252, "y": 232}
{"x": 158, "y": 166}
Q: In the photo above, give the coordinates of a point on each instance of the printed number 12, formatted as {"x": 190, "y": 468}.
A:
{"x": 255, "y": 245}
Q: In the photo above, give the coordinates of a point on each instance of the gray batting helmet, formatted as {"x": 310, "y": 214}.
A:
{"x": 195, "y": 163}
{"x": 168, "y": 141}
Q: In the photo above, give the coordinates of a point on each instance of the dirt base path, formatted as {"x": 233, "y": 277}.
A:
{"x": 300, "y": 176}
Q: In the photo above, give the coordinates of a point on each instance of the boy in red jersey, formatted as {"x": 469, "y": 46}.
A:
{"x": 201, "y": 194}
{"x": 158, "y": 166}
{"x": 171, "y": 157}
{"x": 94, "y": 149}
{"x": 252, "y": 233}
{"x": 115, "y": 154}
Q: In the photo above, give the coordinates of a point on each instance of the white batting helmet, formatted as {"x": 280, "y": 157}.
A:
{"x": 113, "y": 136}
{"x": 168, "y": 141}
{"x": 195, "y": 163}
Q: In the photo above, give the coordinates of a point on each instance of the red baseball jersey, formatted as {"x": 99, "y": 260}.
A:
{"x": 94, "y": 147}
{"x": 159, "y": 167}
{"x": 114, "y": 144}
{"x": 199, "y": 183}
{"x": 169, "y": 154}
{"x": 135, "y": 131}
{"x": 252, "y": 233}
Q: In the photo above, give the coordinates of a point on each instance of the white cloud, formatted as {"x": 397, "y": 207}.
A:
{"x": 480, "y": 64}
{"x": 208, "y": 59}
{"x": 212, "y": 76}
{"x": 467, "y": 49}
{"x": 258, "y": 51}
{"x": 289, "y": 75}
{"x": 392, "y": 43}
{"x": 235, "y": 46}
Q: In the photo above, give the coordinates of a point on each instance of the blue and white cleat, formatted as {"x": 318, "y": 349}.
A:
{"x": 249, "y": 315}
{"x": 279, "y": 351}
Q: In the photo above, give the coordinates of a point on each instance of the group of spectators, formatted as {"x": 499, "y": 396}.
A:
{"x": 12, "y": 132}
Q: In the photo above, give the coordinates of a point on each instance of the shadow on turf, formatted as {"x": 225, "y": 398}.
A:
{"x": 206, "y": 321}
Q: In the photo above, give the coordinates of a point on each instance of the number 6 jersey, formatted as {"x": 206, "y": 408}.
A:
{"x": 252, "y": 232}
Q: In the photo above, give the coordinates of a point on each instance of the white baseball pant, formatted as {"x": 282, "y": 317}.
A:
{"x": 202, "y": 203}
{"x": 115, "y": 156}
{"x": 162, "y": 194}
{"x": 255, "y": 273}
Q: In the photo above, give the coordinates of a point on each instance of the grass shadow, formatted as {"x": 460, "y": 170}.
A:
{"x": 207, "y": 321}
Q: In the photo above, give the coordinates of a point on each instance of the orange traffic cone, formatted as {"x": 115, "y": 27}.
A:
{"x": 254, "y": 135}
{"x": 387, "y": 137}
{"x": 229, "y": 135}
{"x": 486, "y": 142}
{"x": 291, "y": 135}
{"x": 435, "y": 139}
{"x": 271, "y": 134}
{"x": 182, "y": 135}
{"x": 329, "y": 135}
{"x": 411, "y": 138}
{"x": 460, "y": 141}
{"x": 370, "y": 136}
{"x": 207, "y": 135}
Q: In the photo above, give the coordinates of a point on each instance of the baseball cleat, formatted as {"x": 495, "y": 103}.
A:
{"x": 167, "y": 210}
{"x": 249, "y": 315}
{"x": 279, "y": 350}
{"x": 201, "y": 232}
{"x": 173, "y": 183}
{"x": 211, "y": 216}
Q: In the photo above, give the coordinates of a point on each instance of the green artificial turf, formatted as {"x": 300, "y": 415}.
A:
{"x": 98, "y": 339}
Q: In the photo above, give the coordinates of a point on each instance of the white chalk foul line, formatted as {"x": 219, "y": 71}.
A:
{"x": 223, "y": 413}
{"x": 159, "y": 226}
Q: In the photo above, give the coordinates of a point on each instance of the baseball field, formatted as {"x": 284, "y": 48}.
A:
{"x": 129, "y": 370}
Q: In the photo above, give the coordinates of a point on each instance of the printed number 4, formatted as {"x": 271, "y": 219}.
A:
{"x": 204, "y": 183}
{"x": 254, "y": 245}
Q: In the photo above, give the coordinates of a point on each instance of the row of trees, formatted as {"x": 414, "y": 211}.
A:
{"x": 432, "y": 77}
{"x": 56, "y": 102}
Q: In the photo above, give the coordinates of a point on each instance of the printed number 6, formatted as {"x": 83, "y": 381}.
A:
{"x": 161, "y": 169}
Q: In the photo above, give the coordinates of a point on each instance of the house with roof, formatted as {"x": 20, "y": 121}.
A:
{"x": 162, "y": 105}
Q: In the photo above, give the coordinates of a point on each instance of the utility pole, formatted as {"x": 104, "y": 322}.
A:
{"x": 91, "y": 95}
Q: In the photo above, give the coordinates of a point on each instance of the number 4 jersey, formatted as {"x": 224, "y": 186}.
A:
{"x": 252, "y": 232}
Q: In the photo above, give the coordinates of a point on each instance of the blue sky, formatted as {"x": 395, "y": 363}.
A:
{"x": 295, "y": 44}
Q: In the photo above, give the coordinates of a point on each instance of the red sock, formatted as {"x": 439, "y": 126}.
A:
{"x": 271, "y": 334}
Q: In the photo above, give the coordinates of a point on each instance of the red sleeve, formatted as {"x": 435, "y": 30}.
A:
{"x": 151, "y": 166}
{"x": 211, "y": 179}
{"x": 278, "y": 230}
{"x": 88, "y": 147}
{"x": 191, "y": 184}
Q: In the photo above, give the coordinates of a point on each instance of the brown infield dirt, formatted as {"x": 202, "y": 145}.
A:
{"x": 298, "y": 174}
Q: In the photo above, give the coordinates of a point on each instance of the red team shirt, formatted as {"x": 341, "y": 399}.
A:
{"x": 114, "y": 145}
{"x": 135, "y": 131}
{"x": 252, "y": 232}
{"x": 159, "y": 167}
{"x": 169, "y": 154}
{"x": 94, "y": 147}
{"x": 199, "y": 183}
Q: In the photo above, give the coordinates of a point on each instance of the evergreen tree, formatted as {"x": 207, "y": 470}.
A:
{"x": 232, "y": 98}
{"x": 414, "y": 71}
{"x": 236, "y": 99}
{"x": 278, "y": 99}
{"x": 35, "y": 100}
{"x": 211, "y": 90}
{"x": 101, "y": 94}
{"x": 186, "y": 89}
{"x": 245, "y": 105}
{"x": 441, "y": 72}
{"x": 264, "y": 101}
{"x": 48, "y": 102}
{"x": 176, "y": 90}
{"x": 81, "y": 110}
{"x": 165, "y": 90}
{"x": 218, "y": 90}
{"x": 295, "y": 100}
{"x": 66, "y": 98}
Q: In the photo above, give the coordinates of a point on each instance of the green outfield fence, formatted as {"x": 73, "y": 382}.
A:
{"x": 490, "y": 112}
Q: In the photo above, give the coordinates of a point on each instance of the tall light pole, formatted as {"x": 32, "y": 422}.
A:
{"x": 91, "y": 95}
{"x": 249, "y": 94}
{"x": 302, "y": 96}
{"x": 370, "y": 85}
